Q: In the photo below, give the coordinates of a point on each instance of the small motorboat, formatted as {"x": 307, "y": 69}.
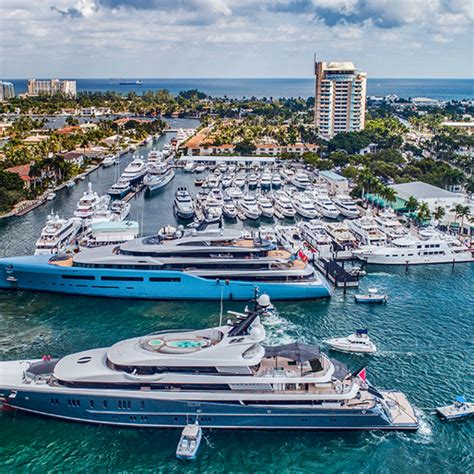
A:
{"x": 357, "y": 271}
{"x": 373, "y": 297}
{"x": 461, "y": 408}
{"x": 198, "y": 182}
{"x": 71, "y": 183}
{"x": 50, "y": 196}
{"x": 189, "y": 442}
{"x": 358, "y": 342}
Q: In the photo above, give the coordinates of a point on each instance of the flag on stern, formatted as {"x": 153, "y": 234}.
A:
{"x": 361, "y": 373}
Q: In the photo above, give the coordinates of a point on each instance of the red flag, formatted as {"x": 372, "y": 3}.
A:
{"x": 362, "y": 374}
{"x": 302, "y": 255}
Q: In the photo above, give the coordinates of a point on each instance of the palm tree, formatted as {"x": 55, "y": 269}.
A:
{"x": 412, "y": 204}
{"x": 462, "y": 212}
{"x": 424, "y": 212}
{"x": 388, "y": 194}
{"x": 439, "y": 213}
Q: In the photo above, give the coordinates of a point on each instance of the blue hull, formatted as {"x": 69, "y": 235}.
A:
{"x": 131, "y": 410}
{"x": 35, "y": 273}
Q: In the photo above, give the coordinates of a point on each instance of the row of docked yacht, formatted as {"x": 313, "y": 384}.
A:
{"x": 189, "y": 264}
{"x": 219, "y": 377}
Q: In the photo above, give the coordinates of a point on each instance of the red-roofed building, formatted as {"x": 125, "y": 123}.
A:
{"x": 68, "y": 130}
{"x": 74, "y": 157}
{"x": 23, "y": 171}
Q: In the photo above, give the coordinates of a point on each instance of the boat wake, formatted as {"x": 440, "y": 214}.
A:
{"x": 278, "y": 330}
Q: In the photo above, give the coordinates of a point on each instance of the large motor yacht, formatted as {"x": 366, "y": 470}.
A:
{"x": 249, "y": 207}
{"x": 343, "y": 238}
{"x": 57, "y": 235}
{"x": 390, "y": 225}
{"x": 304, "y": 206}
{"x": 90, "y": 203}
{"x": 315, "y": 234}
{"x": 265, "y": 205}
{"x": 135, "y": 171}
{"x": 326, "y": 207}
{"x": 219, "y": 377}
{"x": 158, "y": 177}
{"x": 411, "y": 250}
{"x": 183, "y": 205}
{"x": 283, "y": 206}
{"x": 367, "y": 231}
{"x": 346, "y": 206}
{"x": 120, "y": 189}
{"x": 191, "y": 264}
{"x": 300, "y": 180}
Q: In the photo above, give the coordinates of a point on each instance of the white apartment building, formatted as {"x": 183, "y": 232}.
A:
{"x": 52, "y": 86}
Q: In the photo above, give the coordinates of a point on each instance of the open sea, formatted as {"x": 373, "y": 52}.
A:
{"x": 425, "y": 336}
{"x": 441, "y": 89}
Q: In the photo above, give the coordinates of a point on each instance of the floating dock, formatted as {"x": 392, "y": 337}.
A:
{"x": 336, "y": 273}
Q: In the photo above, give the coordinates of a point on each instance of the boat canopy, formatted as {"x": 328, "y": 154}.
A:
{"x": 295, "y": 351}
{"x": 461, "y": 399}
{"x": 362, "y": 331}
{"x": 191, "y": 430}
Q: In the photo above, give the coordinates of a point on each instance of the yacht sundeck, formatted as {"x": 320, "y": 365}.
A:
{"x": 346, "y": 206}
{"x": 367, "y": 231}
{"x": 135, "y": 171}
{"x": 221, "y": 377}
{"x": 342, "y": 236}
{"x": 90, "y": 203}
{"x": 209, "y": 264}
{"x": 57, "y": 235}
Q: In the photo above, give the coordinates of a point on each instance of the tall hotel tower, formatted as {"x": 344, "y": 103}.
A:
{"x": 339, "y": 104}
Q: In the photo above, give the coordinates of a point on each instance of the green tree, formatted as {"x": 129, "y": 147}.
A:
{"x": 439, "y": 213}
{"x": 411, "y": 204}
{"x": 463, "y": 212}
{"x": 424, "y": 213}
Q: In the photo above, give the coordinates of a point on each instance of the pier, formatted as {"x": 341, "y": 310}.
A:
{"x": 336, "y": 273}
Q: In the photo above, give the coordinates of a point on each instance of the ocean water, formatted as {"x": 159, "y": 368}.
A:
{"x": 442, "y": 89}
{"x": 424, "y": 334}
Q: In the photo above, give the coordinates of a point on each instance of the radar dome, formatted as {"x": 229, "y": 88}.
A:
{"x": 264, "y": 301}
{"x": 257, "y": 332}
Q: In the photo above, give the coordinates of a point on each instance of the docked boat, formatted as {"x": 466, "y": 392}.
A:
{"x": 239, "y": 180}
{"x": 326, "y": 207}
{"x": 300, "y": 180}
{"x": 276, "y": 180}
{"x": 213, "y": 209}
{"x": 120, "y": 189}
{"x": 109, "y": 160}
{"x": 134, "y": 172}
{"x": 316, "y": 235}
{"x": 359, "y": 342}
{"x": 229, "y": 209}
{"x": 90, "y": 203}
{"x": 372, "y": 297}
{"x": 253, "y": 180}
{"x": 158, "y": 177}
{"x": 200, "y": 169}
{"x": 289, "y": 237}
{"x": 249, "y": 207}
{"x": 226, "y": 180}
{"x": 189, "y": 442}
{"x": 155, "y": 157}
{"x": 198, "y": 182}
{"x": 266, "y": 179}
{"x": 390, "y": 225}
{"x": 189, "y": 167}
{"x": 221, "y": 377}
{"x": 71, "y": 183}
{"x": 343, "y": 238}
{"x": 207, "y": 264}
{"x": 234, "y": 192}
{"x": 304, "y": 206}
{"x": 346, "y": 206}
{"x": 183, "y": 205}
{"x": 367, "y": 231}
{"x": 412, "y": 250}
{"x": 110, "y": 232}
{"x": 460, "y": 409}
{"x": 283, "y": 206}
{"x": 57, "y": 235}
{"x": 121, "y": 209}
{"x": 50, "y": 196}
{"x": 265, "y": 205}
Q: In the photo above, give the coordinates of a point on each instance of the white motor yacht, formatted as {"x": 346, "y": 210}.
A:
{"x": 265, "y": 205}
{"x": 200, "y": 169}
{"x": 229, "y": 209}
{"x": 326, "y": 207}
{"x": 253, "y": 180}
{"x": 135, "y": 171}
{"x": 289, "y": 237}
{"x": 57, "y": 235}
{"x": 300, "y": 180}
{"x": 359, "y": 342}
{"x": 234, "y": 192}
{"x": 304, "y": 206}
{"x": 189, "y": 167}
{"x": 283, "y": 206}
{"x": 346, "y": 206}
{"x": 266, "y": 179}
{"x": 158, "y": 177}
{"x": 412, "y": 250}
{"x": 315, "y": 233}
{"x": 90, "y": 203}
{"x": 212, "y": 210}
{"x": 276, "y": 180}
{"x": 121, "y": 208}
{"x": 226, "y": 180}
{"x": 367, "y": 231}
{"x": 248, "y": 206}
{"x": 155, "y": 157}
{"x": 109, "y": 160}
{"x": 342, "y": 236}
{"x": 120, "y": 189}
{"x": 183, "y": 205}
{"x": 239, "y": 180}
{"x": 390, "y": 225}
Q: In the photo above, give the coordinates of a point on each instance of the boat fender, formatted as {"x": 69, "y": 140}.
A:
{"x": 338, "y": 388}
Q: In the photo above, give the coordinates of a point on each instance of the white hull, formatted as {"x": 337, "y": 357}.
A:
{"x": 383, "y": 260}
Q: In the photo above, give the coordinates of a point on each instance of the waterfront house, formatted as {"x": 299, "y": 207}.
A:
{"x": 74, "y": 157}
{"x": 23, "y": 171}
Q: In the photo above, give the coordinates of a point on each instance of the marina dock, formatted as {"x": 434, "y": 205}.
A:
{"x": 336, "y": 273}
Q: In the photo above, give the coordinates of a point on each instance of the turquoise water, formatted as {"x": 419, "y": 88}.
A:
{"x": 424, "y": 335}
{"x": 442, "y": 89}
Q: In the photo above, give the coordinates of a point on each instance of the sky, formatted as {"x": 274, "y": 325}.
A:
{"x": 234, "y": 38}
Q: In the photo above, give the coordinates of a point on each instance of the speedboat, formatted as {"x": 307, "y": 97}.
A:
{"x": 300, "y": 180}
{"x": 283, "y": 206}
{"x": 158, "y": 177}
{"x": 372, "y": 297}
{"x": 358, "y": 342}
{"x": 183, "y": 204}
{"x": 135, "y": 171}
{"x": 248, "y": 205}
{"x": 229, "y": 209}
{"x": 189, "y": 442}
{"x": 57, "y": 235}
{"x": 90, "y": 203}
{"x": 346, "y": 206}
{"x": 155, "y": 381}
{"x": 120, "y": 189}
{"x": 50, "y": 196}
{"x": 265, "y": 205}
{"x": 461, "y": 408}
{"x": 304, "y": 206}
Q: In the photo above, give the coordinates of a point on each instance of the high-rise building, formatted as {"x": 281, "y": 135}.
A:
{"x": 339, "y": 102}
{"x": 7, "y": 91}
{"x": 51, "y": 86}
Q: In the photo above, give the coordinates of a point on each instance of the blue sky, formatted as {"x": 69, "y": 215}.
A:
{"x": 234, "y": 38}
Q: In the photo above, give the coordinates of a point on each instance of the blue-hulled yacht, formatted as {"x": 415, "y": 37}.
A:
{"x": 175, "y": 264}
{"x": 220, "y": 377}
